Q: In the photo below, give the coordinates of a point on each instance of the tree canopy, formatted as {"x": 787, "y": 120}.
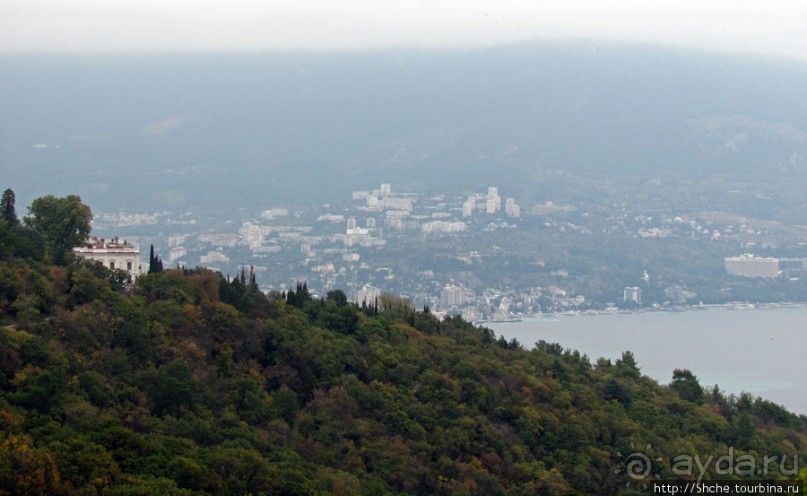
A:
{"x": 64, "y": 223}
{"x": 17, "y": 240}
{"x": 189, "y": 383}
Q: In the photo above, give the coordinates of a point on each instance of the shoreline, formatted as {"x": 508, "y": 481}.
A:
{"x": 616, "y": 311}
{"x": 717, "y": 346}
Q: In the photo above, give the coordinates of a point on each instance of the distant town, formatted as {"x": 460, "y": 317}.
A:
{"x": 483, "y": 255}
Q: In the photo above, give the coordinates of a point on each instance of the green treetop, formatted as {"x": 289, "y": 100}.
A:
{"x": 63, "y": 222}
{"x": 7, "y": 211}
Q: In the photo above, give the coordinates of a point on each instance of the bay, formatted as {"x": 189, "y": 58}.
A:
{"x": 754, "y": 350}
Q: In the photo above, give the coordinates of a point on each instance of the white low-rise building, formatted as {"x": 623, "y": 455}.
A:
{"x": 368, "y": 295}
{"x": 176, "y": 253}
{"x": 752, "y": 266}
{"x": 214, "y": 257}
{"x": 112, "y": 254}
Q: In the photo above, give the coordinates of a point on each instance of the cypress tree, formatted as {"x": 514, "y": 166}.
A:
{"x": 155, "y": 264}
{"x": 7, "y": 211}
{"x": 152, "y": 265}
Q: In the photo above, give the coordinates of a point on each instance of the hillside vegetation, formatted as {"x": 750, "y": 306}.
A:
{"x": 187, "y": 383}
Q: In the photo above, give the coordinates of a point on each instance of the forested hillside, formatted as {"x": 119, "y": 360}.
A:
{"x": 188, "y": 383}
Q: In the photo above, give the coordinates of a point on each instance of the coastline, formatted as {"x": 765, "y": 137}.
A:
{"x": 515, "y": 318}
{"x": 716, "y": 345}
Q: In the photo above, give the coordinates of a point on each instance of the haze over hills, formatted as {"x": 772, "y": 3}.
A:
{"x": 220, "y": 131}
{"x": 190, "y": 381}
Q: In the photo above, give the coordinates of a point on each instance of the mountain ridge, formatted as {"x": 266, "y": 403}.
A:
{"x": 326, "y": 122}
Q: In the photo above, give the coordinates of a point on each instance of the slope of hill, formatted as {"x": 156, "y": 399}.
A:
{"x": 188, "y": 383}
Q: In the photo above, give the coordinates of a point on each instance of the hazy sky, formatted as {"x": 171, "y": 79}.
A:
{"x": 776, "y": 27}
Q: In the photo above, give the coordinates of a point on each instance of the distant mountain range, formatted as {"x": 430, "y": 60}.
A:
{"x": 201, "y": 132}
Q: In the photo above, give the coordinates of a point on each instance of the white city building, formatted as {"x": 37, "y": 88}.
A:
{"x": 752, "y": 266}
{"x": 214, "y": 257}
{"x": 511, "y": 208}
{"x": 632, "y": 294}
{"x": 451, "y": 296}
{"x": 176, "y": 253}
{"x": 368, "y": 295}
{"x": 468, "y": 207}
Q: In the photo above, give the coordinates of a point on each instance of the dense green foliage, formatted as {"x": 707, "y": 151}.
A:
{"x": 188, "y": 384}
{"x": 17, "y": 240}
{"x": 64, "y": 223}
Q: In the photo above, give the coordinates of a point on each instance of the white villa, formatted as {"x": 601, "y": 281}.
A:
{"x": 112, "y": 254}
